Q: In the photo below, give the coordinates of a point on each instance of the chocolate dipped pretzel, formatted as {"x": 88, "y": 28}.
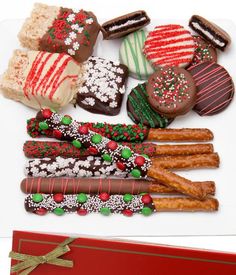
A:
{"x": 119, "y": 204}
{"x": 130, "y": 132}
{"x": 124, "y": 158}
{"x": 100, "y": 185}
{"x": 43, "y": 149}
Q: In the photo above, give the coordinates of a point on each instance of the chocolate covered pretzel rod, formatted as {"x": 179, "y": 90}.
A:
{"x": 101, "y": 185}
{"x": 95, "y": 166}
{"x": 130, "y": 133}
{"x": 106, "y": 204}
{"x": 124, "y": 158}
{"x": 43, "y": 149}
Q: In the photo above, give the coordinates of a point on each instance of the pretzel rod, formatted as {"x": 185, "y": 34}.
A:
{"x": 43, "y": 149}
{"x": 124, "y": 158}
{"x": 99, "y": 185}
{"x": 176, "y": 182}
{"x": 183, "y": 149}
{"x": 185, "y": 134}
{"x": 106, "y": 204}
{"x": 185, "y": 205}
{"x": 130, "y": 132}
{"x": 188, "y": 162}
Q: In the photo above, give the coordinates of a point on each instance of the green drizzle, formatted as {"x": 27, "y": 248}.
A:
{"x": 132, "y": 47}
{"x": 142, "y": 109}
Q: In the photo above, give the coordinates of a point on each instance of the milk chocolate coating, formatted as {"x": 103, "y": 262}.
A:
{"x": 99, "y": 185}
{"x": 125, "y": 24}
{"x": 217, "y": 37}
{"x": 215, "y": 88}
{"x": 171, "y": 91}
{"x": 85, "y": 39}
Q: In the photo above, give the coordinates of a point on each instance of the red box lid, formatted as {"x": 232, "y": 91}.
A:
{"x": 99, "y": 256}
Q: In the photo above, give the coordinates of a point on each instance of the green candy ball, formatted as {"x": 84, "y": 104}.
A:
{"x": 127, "y": 197}
{"x": 96, "y": 138}
{"x": 82, "y": 198}
{"x": 126, "y": 153}
{"x": 105, "y": 211}
{"x": 136, "y": 173}
{"x": 43, "y": 125}
{"x": 58, "y": 211}
{"x": 76, "y": 143}
{"x": 146, "y": 211}
{"x": 107, "y": 157}
{"x": 66, "y": 120}
{"x": 37, "y": 197}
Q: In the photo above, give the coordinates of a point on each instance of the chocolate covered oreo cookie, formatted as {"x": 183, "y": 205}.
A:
{"x": 171, "y": 91}
{"x": 125, "y": 24}
{"x": 215, "y": 88}
{"x": 210, "y": 31}
{"x": 140, "y": 111}
{"x": 104, "y": 86}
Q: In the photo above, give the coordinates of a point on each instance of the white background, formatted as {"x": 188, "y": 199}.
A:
{"x": 156, "y": 9}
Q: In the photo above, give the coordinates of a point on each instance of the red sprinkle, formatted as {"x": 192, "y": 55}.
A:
{"x": 112, "y": 145}
{"x": 93, "y": 150}
{"x": 139, "y": 160}
{"x": 83, "y": 130}
{"x": 127, "y": 213}
{"x": 82, "y": 212}
{"x": 120, "y": 165}
{"x": 58, "y": 197}
{"x": 146, "y": 199}
{"x": 41, "y": 211}
{"x": 46, "y": 113}
{"x": 57, "y": 134}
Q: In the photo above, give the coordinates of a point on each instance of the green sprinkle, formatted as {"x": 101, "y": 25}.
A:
{"x": 127, "y": 197}
{"x": 58, "y": 211}
{"x": 82, "y": 198}
{"x": 76, "y": 143}
{"x": 96, "y": 138}
{"x": 105, "y": 211}
{"x": 43, "y": 125}
{"x": 37, "y": 197}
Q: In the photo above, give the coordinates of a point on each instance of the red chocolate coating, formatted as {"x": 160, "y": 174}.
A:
{"x": 171, "y": 91}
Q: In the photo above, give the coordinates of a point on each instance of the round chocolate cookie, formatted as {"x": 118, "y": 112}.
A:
{"x": 140, "y": 111}
{"x": 204, "y": 51}
{"x": 171, "y": 91}
{"x": 215, "y": 88}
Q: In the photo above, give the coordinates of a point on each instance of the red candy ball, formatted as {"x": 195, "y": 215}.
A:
{"x": 146, "y": 199}
{"x": 57, "y": 134}
{"x": 120, "y": 165}
{"x": 82, "y": 212}
{"x": 83, "y": 129}
{"x": 46, "y": 113}
{"x": 93, "y": 150}
{"x": 41, "y": 211}
{"x": 104, "y": 196}
{"x": 58, "y": 197}
{"x": 139, "y": 160}
{"x": 127, "y": 213}
{"x": 112, "y": 145}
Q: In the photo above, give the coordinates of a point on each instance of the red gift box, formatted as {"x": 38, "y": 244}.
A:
{"x": 93, "y": 256}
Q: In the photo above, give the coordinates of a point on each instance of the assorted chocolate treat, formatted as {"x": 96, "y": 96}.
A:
{"x": 103, "y": 87}
{"x": 125, "y": 24}
{"x": 215, "y": 88}
{"x": 210, "y": 31}
{"x": 171, "y": 91}
{"x": 141, "y": 112}
{"x": 62, "y": 30}
{"x": 101, "y": 167}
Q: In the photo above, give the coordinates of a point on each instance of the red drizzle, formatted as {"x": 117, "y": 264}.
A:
{"x": 162, "y": 48}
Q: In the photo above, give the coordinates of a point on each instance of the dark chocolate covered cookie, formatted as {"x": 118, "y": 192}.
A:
{"x": 140, "y": 111}
{"x": 171, "y": 91}
{"x": 215, "y": 88}
{"x": 104, "y": 86}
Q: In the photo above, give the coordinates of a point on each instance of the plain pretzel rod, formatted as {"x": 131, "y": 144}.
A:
{"x": 126, "y": 160}
{"x": 131, "y": 132}
{"x": 188, "y": 162}
{"x": 100, "y": 185}
{"x": 43, "y": 149}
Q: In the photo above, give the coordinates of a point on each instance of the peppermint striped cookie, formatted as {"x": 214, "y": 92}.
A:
{"x": 132, "y": 56}
{"x": 169, "y": 45}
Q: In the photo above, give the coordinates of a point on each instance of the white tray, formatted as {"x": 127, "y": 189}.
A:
{"x": 13, "y": 118}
